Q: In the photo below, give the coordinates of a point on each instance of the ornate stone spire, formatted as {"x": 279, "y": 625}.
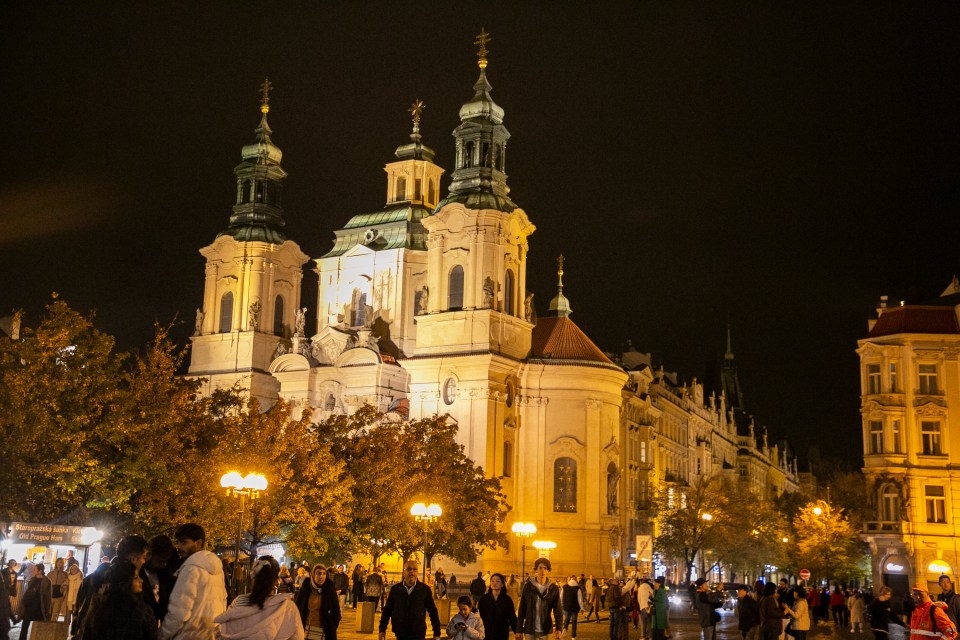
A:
{"x": 560, "y": 306}
{"x": 415, "y": 149}
{"x": 257, "y": 214}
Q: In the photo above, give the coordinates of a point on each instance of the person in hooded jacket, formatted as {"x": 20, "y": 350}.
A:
{"x": 466, "y": 625}
{"x": 497, "y": 610}
{"x": 539, "y": 601}
{"x": 319, "y": 605}
{"x": 262, "y": 614}
{"x": 200, "y": 594}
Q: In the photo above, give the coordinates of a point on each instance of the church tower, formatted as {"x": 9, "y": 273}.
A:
{"x": 251, "y": 293}
{"x": 475, "y": 332}
{"x": 375, "y": 277}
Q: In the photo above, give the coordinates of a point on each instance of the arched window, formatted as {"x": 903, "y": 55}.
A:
{"x": 259, "y": 192}
{"x": 508, "y": 299}
{"x": 455, "y": 289}
{"x": 431, "y": 192}
{"x": 278, "y": 316}
{"x": 468, "y": 155}
{"x": 889, "y": 503}
{"x": 417, "y": 193}
{"x": 565, "y": 485}
{"x": 507, "y": 458}
{"x": 358, "y": 313}
{"x": 401, "y": 188}
{"x": 226, "y": 312}
{"x": 245, "y": 192}
{"x": 330, "y": 403}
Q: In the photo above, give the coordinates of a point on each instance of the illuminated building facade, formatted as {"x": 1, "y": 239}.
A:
{"x": 910, "y": 405}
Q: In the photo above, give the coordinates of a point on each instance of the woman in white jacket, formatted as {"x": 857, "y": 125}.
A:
{"x": 262, "y": 614}
{"x": 465, "y": 625}
{"x": 800, "y": 614}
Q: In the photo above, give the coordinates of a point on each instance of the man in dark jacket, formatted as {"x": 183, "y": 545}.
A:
{"x": 949, "y": 596}
{"x": 477, "y": 588}
{"x": 748, "y": 614}
{"x": 538, "y": 600}
{"x": 407, "y": 605}
{"x": 132, "y": 549}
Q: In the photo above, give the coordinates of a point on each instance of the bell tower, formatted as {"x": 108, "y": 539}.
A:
{"x": 251, "y": 292}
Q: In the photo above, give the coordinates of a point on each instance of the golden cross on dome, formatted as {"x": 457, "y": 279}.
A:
{"x": 416, "y": 110}
{"x": 482, "y": 41}
{"x": 560, "y": 266}
{"x": 265, "y": 95}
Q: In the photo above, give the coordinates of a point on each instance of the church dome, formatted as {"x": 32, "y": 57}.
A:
{"x": 482, "y": 105}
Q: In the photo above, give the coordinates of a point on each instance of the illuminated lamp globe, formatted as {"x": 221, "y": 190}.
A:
{"x": 232, "y": 480}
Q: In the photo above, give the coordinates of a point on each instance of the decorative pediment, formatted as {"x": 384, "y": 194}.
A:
{"x": 359, "y": 250}
{"x": 457, "y": 252}
{"x": 612, "y": 450}
{"x": 931, "y": 409}
{"x": 567, "y": 445}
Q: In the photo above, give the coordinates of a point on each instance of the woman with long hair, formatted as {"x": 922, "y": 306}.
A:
{"x": 497, "y": 610}
{"x": 319, "y": 605}
{"x": 357, "y": 582}
{"x": 262, "y": 613}
{"x": 771, "y": 613}
{"x": 121, "y": 613}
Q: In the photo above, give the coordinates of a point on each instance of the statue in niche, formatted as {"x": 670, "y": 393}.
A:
{"x": 528, "y": 312}
{"x": 488, "y": 289}
{"x": 300, "y": 321}
{"x": 613, "y": 479}
{"x": 253, "y": 315}
{"x": 420, "y": 300}
{"x": 198, "y": 323}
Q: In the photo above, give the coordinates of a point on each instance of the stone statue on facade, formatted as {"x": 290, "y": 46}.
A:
{"x": 613, "y": 480}
{"x": 279, "y": 351}
{"x": 488, "y": 290}
{"x": 421, "y": 300}
{"x": 253, "y": 315}
{"x": 198, "y": 323}
{"x": 299, "y": 321}
{"x": 528, "y": 307}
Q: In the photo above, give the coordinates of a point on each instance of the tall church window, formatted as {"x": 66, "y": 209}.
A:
{"x": 245, "y": 192}
{"x": 259, "y": 192}
{"x": 565, "y": 485}
{"x": 358, "y": 312}
{"x": 484, "y": 154}
{"x": 508, "y": 297}
{"x": 417, "y": 193}
{"x": 431, "y": 191}
{"x": 507, "y": 458}
{"x": 468, "y": 155}
{"x": 278, "y": 316}
{"x": 455, "y": 289}
{"x": 401, "y": 188}
{"x": 226, "y": 312}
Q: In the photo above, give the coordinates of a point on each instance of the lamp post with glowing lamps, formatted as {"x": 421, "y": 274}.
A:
{"x": 544, "y": 547}
{"x": 426, "y": 514}
{"x": 523, "y": 530}
{"x": 240, "y": 486}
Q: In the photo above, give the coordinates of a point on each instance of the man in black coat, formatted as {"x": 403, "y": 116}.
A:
{"x": 748, "y": 614}
{"x": 407, "y": 606}
{"x": 539, "y": 612}
{"x": 477, "y": 588}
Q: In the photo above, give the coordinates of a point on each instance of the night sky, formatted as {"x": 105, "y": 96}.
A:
{"x": 778, "y": 164}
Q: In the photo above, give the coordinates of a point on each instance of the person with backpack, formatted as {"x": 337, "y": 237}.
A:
{"x": 930, "y": 618}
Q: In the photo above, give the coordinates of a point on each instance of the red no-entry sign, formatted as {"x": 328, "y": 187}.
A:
{"x": 804, "y": 574}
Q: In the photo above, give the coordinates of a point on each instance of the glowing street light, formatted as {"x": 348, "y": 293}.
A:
{"x": 544, "y": 546}
{"x": 707, "y": 516}
{"x": 523, "y": 530}
{"x": 425, "y": 514}
{"x": 241, "y": 486}
{"x": 817, "y": 511}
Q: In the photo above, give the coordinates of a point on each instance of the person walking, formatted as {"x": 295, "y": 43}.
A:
{"x": 706, "y": 604}
{"x": 262, "y": 613}
{"x": 74, "y": 580}
{"x": 319, "y": 605}
{"x": 357, "y": 580}
{"x": 930, "y": 618}
{"x": 799, "y": 614}
{"x": 120, "y": 612}
{"x": 407, "y": 606}
{"x": 465, "y": 625}
{"x": 497, "y": 610}
{"x": 477, "y": 588}
{"x": 594, "y": 601}
{"x": 513, "y": 590}
{"x": 857, "y": 607}
{"x": 748, "y": 614}
{"x": 58, "y": 583}
{"x": 539, "y": 600}
{"x": 341, "y": 583}
{"x": 881, "y": 617}
{"x": 771, "y": 613}
{"x": 838, "y": 606}
{"x": 200, "y": 593}
{"x": 614, "y": 607}
{"x": 571, "y": 602}
{"x": 37, "y": 600}
{"x": 659, "y": 615}
{"x": 131, "y": 550}
{"x": 949, "y": 597}
{"x": 644, "y": 605}
{"x": 373, "y": 587}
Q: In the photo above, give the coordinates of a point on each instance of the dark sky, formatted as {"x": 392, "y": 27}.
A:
{"x": 780, "y": 164}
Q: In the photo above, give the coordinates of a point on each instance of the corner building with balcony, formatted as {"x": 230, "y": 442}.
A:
{"x": 910, "y": 405}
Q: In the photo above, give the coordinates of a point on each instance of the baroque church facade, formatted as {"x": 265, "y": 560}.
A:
{"x": 422, "y": 309}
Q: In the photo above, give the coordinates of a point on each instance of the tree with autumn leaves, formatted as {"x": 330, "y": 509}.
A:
{"x": 90, "y": 434}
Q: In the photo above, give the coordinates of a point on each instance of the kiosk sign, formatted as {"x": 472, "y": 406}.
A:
{"x": 49, "y": 534}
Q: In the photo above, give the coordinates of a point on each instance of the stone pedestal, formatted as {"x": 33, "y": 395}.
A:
{"x": 443, "y": 609}
{"x": 49, "y": 630}
{"x": 365, "y": 611}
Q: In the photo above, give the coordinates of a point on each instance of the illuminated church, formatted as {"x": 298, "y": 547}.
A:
{"x": 423, "y": 309}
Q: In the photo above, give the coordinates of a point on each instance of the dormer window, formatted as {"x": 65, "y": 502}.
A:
{"x": 401, "y": 189}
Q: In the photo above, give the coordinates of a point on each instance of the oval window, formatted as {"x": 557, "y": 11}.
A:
{"x": 510, "y": 393}
{"x": 449, "y": 391}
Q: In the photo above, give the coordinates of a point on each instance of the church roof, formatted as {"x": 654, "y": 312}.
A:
{"x": 915, "y": 319}
{"x": 478, "y": 200}
{"x": 559, "y": 338}
{"x": 393, "y": 227}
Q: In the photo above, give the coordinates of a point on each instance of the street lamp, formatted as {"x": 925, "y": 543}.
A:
{"x": 523, "y": 530}
{"x": 240, "y": 486}
{"x": 707, "y": 516}
{"x": 544, "y": 547}
{"x": 425, "y": 514}
{"x": 817, "y": 511}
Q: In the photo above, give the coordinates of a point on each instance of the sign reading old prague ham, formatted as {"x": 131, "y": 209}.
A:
{"x": 47, "y": 534}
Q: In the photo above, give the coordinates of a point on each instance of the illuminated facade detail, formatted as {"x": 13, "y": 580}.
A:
{"x": 910, "y": 408}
